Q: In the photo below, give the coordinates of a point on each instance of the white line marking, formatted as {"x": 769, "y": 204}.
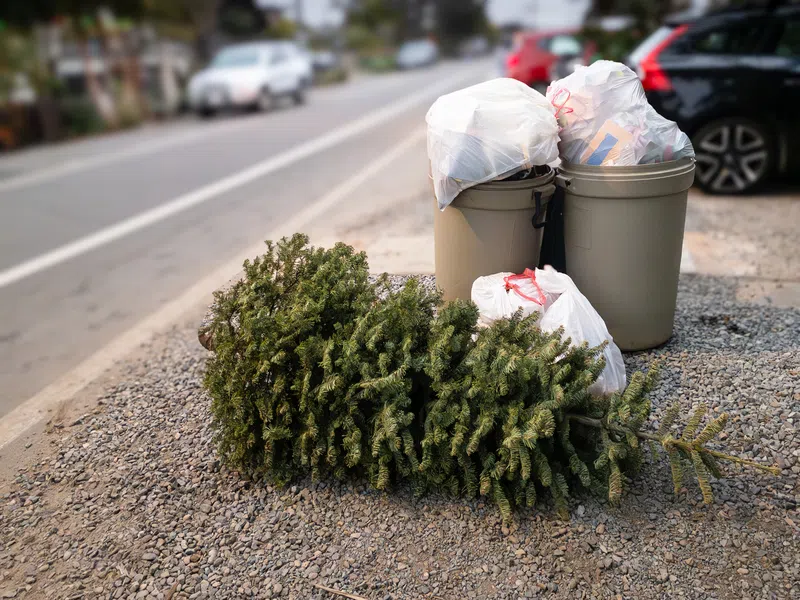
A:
{"x": 33, "y": 410}
{"x": 141, "y": 148}
{"x": 205, "y": 193}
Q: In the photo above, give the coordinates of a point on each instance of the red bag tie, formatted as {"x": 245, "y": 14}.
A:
{"x": 563, "y": 106}
{"x": 526, "y": 274}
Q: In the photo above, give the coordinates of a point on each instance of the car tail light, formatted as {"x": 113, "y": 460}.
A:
{"x": 650, "y": 71}
{"x": 512, "y": 61}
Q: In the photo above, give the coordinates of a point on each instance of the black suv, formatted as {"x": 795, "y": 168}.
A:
{"x": 731, "y": 80}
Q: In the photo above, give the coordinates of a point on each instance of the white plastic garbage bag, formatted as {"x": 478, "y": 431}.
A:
{"x": 606, "y": 119}
{"x": 501, "y": 295}
{"x": 487, "y": 131}
{"x": 572, "y": 311}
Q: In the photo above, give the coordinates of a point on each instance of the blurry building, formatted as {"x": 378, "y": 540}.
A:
{"x": 165, "y": 67}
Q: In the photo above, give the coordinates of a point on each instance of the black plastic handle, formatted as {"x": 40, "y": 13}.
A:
{"x": 537, "y": 199}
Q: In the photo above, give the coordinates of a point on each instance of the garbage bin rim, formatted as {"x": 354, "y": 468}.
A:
{"x": 672, "y": 167}
{"x": 522, "y": 184}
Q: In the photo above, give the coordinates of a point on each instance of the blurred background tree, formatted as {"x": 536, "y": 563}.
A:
{"x": 458, "y": 20}
{"x": 281, "y": 29}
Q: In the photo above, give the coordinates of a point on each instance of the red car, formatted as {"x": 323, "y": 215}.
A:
{"x": 539, "y": 58}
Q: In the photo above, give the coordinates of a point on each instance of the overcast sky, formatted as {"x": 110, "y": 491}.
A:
{"x": 539, "y": 14}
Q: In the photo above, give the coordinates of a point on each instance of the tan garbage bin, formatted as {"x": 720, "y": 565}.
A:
{"x": 490, "y": 228}
{"x": 623, "y": 238}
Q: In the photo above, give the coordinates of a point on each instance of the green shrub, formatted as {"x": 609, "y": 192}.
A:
{"x": 333, "y": 76}
{"x": 318, "y": 371}
{"x": 378, "y": 63}
{"x": 80, "y": 117}
{"x": 362, "y": 39}
{"x": 281, "y": 29}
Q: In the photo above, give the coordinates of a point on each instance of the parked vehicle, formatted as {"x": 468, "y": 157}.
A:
{"x": 731, "y": 80}
{"x": 416, "y": 54}
{"x": 537, "y": 57}
{"x": 252, "y": 76}
{"x": 474, "y": 47}
{"x": 325, "y": 61}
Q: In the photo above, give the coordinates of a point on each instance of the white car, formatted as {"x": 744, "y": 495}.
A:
{"x": 251, "y": 75}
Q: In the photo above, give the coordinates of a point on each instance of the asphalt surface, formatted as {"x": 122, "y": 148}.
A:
{"x": 57, "y": 313}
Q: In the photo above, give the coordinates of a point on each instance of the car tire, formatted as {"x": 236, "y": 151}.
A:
{"x": 299, "y": 95}
{"x": 206, "y": 113}
{"x": 540, "y": 86}
{"x": 733, "y": 156}
{"x": 265, "y": 101}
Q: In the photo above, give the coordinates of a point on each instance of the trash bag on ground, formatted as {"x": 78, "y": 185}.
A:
{"x": 501, "y": 295}
{"x": 605, "y": 119}
{"x": 571, "y": 310}
{"x": 488, "y": 131}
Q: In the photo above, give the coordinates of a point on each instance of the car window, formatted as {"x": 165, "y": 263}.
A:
{"x": 236, "y": 57}
{"x": 739, "y": 39}
{"x": 278, "y": 56}
{"x": 565, "y": 45}
{"x": 789, "y": 41}
{"x": 649, "y": 44}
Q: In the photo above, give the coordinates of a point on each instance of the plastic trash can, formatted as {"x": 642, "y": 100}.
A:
{"x": 490, "y": 228}
{"x": 623, "y": 237}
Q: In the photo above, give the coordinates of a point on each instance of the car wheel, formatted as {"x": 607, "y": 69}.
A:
{"x": 541, "y": 87}
{"x": 266, "y": 101}
{"x": 299, "y": 95}
{"x": 733, "y": 156}
{"x": 206, "y": 113}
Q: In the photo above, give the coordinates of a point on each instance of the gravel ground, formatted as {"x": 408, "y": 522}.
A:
{"x": 133, "y": 502}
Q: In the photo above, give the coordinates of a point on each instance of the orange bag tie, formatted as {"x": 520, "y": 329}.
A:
{"x": 526, "y": 274}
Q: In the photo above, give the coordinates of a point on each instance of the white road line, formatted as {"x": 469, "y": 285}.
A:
{"x": 33, "y": 410}
{"x": 141, "y": 148}
{"x": 205, "y": 193}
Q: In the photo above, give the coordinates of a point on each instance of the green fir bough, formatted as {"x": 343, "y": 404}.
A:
{"x": 317, "y": 370}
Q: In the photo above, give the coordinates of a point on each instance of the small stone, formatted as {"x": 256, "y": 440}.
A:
{"x": 149, "y": 556}
{"x": 573, "y": 583}
{"x": 601, "y": 529}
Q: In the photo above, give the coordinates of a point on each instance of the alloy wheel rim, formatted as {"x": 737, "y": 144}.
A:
{"x": 731, "y": 158}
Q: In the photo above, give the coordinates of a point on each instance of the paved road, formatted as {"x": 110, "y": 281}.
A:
{"x": 95, "y": 235}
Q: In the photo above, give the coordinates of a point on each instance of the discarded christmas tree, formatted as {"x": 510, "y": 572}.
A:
{"x": 319, "y": 371}
{"x": 271, "y": 333}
